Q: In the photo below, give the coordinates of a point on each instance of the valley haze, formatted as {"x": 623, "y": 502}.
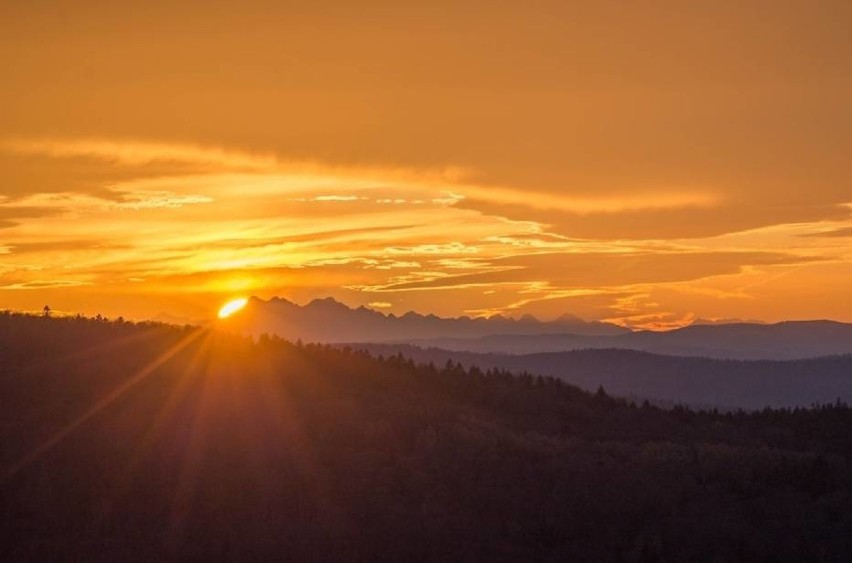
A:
{"x": 728, "y": 366}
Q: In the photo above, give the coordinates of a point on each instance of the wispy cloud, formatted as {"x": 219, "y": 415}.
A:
{"x": 137, "y": 153}
{"x": 210, "y": 221}
{"x": 45, "y": 284}
{"x": 637, "y": 200}
{"x": 841, "y": 232}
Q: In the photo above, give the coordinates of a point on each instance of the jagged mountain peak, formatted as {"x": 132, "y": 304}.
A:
{"x": 326, "y": 319}
{"x": 568, "y": 318}
{"x": 327, "y": 302}
{"x": 329, "y": 320}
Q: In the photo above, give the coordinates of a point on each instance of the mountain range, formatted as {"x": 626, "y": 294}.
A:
{"x": 328, "y": 320}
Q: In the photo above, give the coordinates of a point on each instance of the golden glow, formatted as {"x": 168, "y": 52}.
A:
{"x": 232, "y": 307}
{"x": 649, "y": 168}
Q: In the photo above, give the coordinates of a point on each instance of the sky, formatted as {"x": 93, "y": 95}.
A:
{"x": 650, "y": 164}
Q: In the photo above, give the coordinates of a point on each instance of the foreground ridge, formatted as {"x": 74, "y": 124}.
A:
{"x": 208, "y": 446}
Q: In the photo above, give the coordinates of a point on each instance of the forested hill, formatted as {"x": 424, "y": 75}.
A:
{"x": 725, "y": 384}
{"x": 126, "y": 442}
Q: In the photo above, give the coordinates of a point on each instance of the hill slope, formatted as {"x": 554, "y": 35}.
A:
{"x": 142, "y": 443}
{"x": 746, "y": 384}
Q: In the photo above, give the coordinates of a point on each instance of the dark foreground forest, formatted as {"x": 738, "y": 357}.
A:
{"x": 125, "y": 442}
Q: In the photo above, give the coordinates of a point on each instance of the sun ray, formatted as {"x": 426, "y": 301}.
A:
{"x": 107, "y": 400}
{"x": 181, "y": 389}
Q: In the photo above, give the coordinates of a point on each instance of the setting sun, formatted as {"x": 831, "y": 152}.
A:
{"x": 232, "y": 307}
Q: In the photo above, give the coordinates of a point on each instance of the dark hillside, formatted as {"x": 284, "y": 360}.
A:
{"x": 123, "y": 442}
{"x": 745, "y": 384}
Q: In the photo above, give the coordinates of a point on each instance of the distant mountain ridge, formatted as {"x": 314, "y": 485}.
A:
{"x": 789, "y": 340}
{"x": 698, "y": 382}
{"x": 328, "y": 320}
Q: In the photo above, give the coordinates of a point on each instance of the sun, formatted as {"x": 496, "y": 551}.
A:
{"x": 232, "y": 307}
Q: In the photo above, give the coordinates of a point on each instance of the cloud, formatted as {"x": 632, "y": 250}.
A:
{"x": 22, "y": 175}
{"x": 212, "y": 159}
{"x": 661, "y": 223}
{"x": 334, "y": 198}
{"x": 831, "y": 233}
{"x": 316, "y": 234}
{"x": 45, "y": 284}
{"x": 151, "y": 200}
{"x": 637, "y": 200}
{"x": 595, "y": 270}
{"x": 140, "y": 153}
{"x": 12, "y": 215}
{"x": 452, "y": 248}
{"x": 546, "y": 302}
{"x": 193, "y": 220}
{"x": 61, "y": 246}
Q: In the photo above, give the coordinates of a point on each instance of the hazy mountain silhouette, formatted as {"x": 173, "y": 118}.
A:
{"x": 698, "y": 382}
{"x": 327, "y": 320}
{"x": 781, "y": 341}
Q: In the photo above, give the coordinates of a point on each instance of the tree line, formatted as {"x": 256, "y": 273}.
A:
{"x": 192, "y": 444}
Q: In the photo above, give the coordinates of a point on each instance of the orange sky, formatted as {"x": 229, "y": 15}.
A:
{"x": 644, "y": 163}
